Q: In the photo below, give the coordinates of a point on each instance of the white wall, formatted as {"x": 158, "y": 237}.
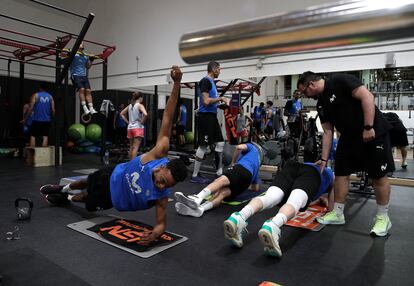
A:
{"x": 151, "y": 31}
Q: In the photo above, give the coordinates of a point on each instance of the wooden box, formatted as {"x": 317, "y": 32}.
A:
{"x": 42, "y": 156}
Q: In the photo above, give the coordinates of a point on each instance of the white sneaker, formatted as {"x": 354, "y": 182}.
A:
{"x": 92, "y": 110}
{"x": 85, "y": 110}
{"x": 269, "y": 236}
{"x": 182, "y": 209}
{"x": 234, "y": 229}
{"x": 189, "y": 201}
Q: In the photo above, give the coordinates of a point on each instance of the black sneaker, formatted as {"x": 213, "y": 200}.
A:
{"x": 57, "y": 199}
{"x": 50, "y": 189}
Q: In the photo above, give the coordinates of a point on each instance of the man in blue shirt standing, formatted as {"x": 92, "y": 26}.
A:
{"x": 78, "y": 70}
{"x": 43, "y": 108}
{"x": 208, "y": 128}
{"x": 139, "y": 184}
{"x": 292, "y": 111}
{"x": 243, "y": 174}
{"x": 181, "y": 122}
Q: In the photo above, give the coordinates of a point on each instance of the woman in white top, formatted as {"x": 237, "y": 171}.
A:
{"x": 242, "y": 131}
{"x": 136, "y": 120}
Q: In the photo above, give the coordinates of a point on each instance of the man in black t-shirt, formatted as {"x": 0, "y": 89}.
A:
{"x": 346, "y": 104}
{"x": 398, "y": 135}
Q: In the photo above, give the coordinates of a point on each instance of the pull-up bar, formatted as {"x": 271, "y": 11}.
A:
{"x": 50, "y": 28}
{"x": 58, "y": 8}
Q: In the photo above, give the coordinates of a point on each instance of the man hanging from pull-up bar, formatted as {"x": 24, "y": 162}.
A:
{"x": 139, "y": 184}
{"x": 78, "y": 71}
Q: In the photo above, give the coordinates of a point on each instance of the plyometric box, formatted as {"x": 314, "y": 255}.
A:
{"x": 42, "y": 156}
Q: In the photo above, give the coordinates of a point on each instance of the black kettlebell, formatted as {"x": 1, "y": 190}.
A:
{"x": 23, "y": 212}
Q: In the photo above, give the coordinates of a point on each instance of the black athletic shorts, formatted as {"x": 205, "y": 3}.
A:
{"x": 295, "y": 175}
{"x": 208, "y": 129}
{"x": 80, "y": 82}
{"x": 269, "y": 130}
{"x": 180, "y": 129}
{"x": 398, "y": 136}
{"x": 374, "y": 157}
{"x": 99, "y": 194}
{"x": 257, "y": 125}
{"x": 240, "y": 179}
{"x": 39, "y": 128}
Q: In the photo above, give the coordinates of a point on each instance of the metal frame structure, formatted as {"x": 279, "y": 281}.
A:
{"x": 27, "y": 52}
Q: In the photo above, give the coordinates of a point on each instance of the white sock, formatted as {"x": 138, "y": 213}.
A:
{"x": 246, "y": 212}
{"x": 279, "y": 219}
{"x": 203, "y": 195}
{"x": 339, "y": 208}
{"x": 197, "y": 165}
{"x": 90, "y": 104}
{"x": 66, "y": 189}
{"x": 85, "y": 109}
{"x": 206, "y": 206}
{"x": 383, "y": 209}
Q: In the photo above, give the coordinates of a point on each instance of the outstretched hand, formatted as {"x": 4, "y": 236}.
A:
{"x": 176, "y": 74}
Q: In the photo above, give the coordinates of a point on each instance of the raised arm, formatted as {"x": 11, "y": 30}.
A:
{"x": 163, "y": 140}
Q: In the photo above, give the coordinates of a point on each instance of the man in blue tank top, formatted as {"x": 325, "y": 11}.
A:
{"x": 243, "y": 175}
{"x": 78, "y": 71}
{"x": 139, "y": 184}
{"x": 208, "y": 127}
{"x": 292, "y": 111}
{"x": 296, "y": 186}
{"x": 181, "y": 122}
{"x": 43, "y": 108}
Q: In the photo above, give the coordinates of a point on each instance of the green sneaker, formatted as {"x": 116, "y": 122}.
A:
{"x": 382, "y": 225}
{"x": 234, "y": 229}
{"x": 331, "y": 218}
{"x": 269, "y": 236}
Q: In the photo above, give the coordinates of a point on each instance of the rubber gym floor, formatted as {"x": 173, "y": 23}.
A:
{"x": 49, "y": 253}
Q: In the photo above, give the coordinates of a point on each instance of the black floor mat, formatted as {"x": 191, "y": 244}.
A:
{"x": 28, "y": 267}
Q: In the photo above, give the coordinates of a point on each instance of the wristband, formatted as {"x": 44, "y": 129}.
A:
{"x": 323, "y": 160}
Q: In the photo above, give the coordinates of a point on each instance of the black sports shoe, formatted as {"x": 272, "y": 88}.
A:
{"x": 50, "y": 189}
{"x": 57, "y": 199}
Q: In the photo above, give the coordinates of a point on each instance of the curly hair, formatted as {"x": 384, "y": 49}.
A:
{"x": 178, "y": 169}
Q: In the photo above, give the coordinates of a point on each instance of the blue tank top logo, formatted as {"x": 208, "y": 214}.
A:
{"x": 42, "y": 107}
{"x": 212, "y": 94}
{"x": 132, "y": 187}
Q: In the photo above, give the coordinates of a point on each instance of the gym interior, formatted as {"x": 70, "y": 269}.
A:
{"x": 262, "y": 48}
